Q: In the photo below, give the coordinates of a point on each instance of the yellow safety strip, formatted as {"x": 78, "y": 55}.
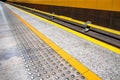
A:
{"x": 75, "y": 63}
{"x": 77, "y": 21}
{"x": 103, "y": 44}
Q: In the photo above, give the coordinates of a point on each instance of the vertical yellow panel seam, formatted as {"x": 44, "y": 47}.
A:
{"x": 112, "y": 6}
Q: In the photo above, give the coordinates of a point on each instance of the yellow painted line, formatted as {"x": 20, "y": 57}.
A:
{"x": 77, "y": 21}
{"x": 91, "y": 76}
{"x": 103, "y": 44}
{"x": 81, "y": 68}
{"x": 76, "y": 64}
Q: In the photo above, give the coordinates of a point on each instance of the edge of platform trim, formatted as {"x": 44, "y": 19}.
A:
{"x": 98, "y": 42}
{"x": 78, "y": 21}
{"x": 75, "y": 63}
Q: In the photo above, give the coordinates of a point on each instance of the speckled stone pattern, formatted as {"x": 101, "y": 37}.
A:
{"x": 102, "y": 61}
{"x": 27, "y": 57}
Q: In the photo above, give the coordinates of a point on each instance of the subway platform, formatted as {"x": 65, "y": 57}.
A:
{"x": 33, "y": 48}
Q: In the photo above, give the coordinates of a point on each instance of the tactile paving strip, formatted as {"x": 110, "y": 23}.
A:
{"x": 40, "y": 60}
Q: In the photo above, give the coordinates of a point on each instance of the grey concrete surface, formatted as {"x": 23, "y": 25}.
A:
{"x": 102, "y": 61}
{"x": 11, "y": 64}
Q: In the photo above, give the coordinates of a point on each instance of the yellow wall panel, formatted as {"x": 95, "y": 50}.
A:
{"x": 112, "y": 5}
{"x": 48, "y": 2}
{"x": 69, "y": 3}
{"x": 90, "y": 4}
{"x": 116, "y": 5}
{"x": 104, "y": 4}
{"x": 79, "y": 3}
